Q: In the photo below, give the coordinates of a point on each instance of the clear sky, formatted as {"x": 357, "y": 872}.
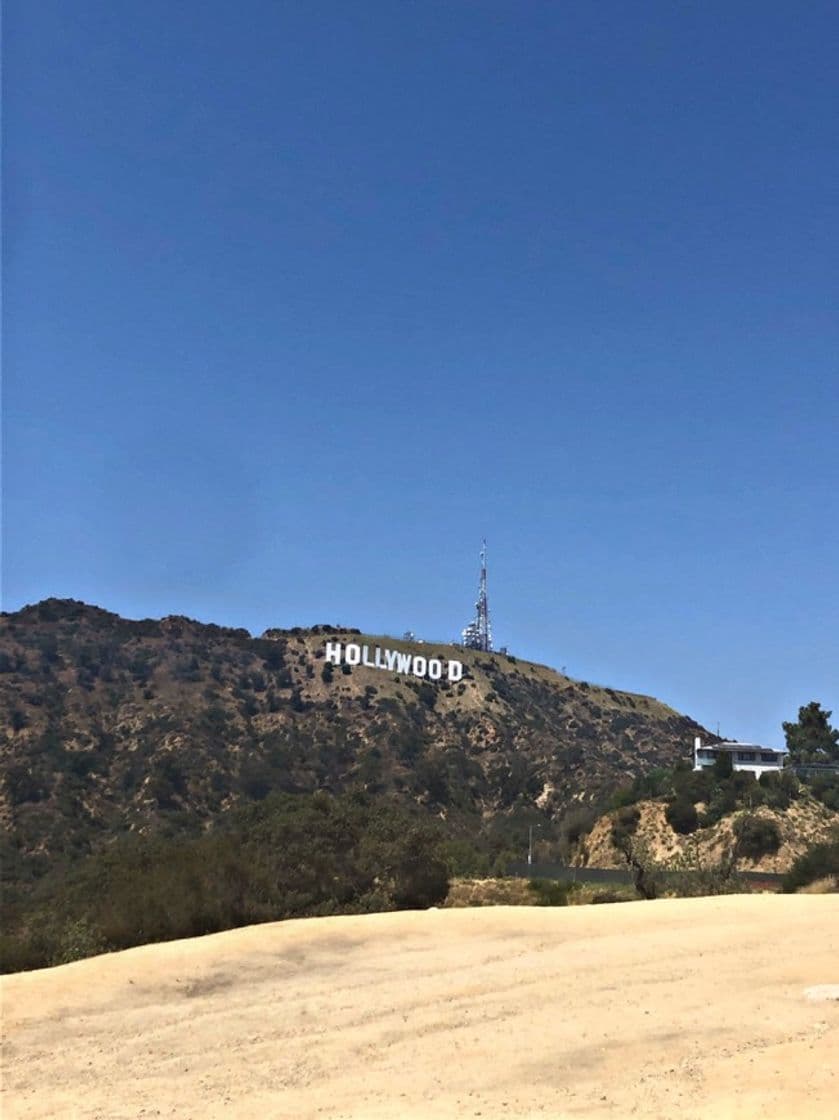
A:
{"x": 302, "y": 299}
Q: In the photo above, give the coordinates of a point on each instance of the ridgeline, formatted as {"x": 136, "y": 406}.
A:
{"x": 114, "y": 725}
{"x": 164, "y": 779}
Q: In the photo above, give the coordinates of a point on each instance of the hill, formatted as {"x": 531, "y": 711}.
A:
{"x": 799, "y": 825}
{"x": 114, "y": 726}
{"x": 715, "y": 818}
{"x": 703, "y": 1007}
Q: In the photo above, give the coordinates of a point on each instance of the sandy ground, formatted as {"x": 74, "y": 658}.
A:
{"x": 684, "y": 1008}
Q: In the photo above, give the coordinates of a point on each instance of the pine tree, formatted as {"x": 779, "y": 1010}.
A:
{"x": 812, "y": 739}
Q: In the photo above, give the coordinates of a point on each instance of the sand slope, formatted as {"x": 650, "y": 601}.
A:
{"x": 684, "y": 1008}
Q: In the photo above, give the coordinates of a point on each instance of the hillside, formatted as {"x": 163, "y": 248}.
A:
{"x": 113, "y": 725}
{"x": 713, "y": 1007}
{"x": 800, "y": 825}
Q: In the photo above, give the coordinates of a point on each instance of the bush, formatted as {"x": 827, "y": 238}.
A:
{"x": 577, "y": 824}
{"x": 656, "y": 783}
{"x": 626, "y": 821}
{"x": 645, "y": 871}
{"x": 690, "y": 875}
{"x": 287, "y": 856}
{"x": 550, "y": 892}
{"x": 22, "y": 786}
{"x": 464, "y": 860}
{"x": 723, "y": 766}
{"x": 693, "y": 785}
{"x": 76, "y": 941}
{"x": 609, "y": 896}
{"x": 819, "y": 862}
{"x": 780, "y": 790}
{"x": 18, "y": 719}
{"x": 19, "y": 954}
{"x": 624, "y": 797}
{"x": 756, "y": 836}
{"x": 723, "y": 801}
{"x": 682, "y": 817}
{"x": 825, "y": 788}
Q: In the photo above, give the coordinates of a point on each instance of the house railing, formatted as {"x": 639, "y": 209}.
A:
{"x": 814, "y": 768}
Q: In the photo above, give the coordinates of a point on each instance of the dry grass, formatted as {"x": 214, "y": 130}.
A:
{"x": 828, "y": 885}
{"x": 696, "y": 1008}
{"x": 517, "y": 892}
{"x": 489, "y": 892}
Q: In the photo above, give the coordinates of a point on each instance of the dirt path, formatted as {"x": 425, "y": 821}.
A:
{"x": 689, "y": 1008}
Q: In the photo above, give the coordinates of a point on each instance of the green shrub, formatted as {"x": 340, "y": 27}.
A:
{"x": 624, "y": 797}
{"x": 657, "y": 782}
{"x": 20, "y": 953}
{"x": 577, "y": 823}
{"x": 550, "y": 892}
{"x": 723, "y": 801}
{"x": 825, "y": 788}
{"x": 723, "y": 766}
{"x": 821, "y": 861}
{"x": 682, "y": 817}
{"x": 746, "y": 787}
{"x": 286, "y": 856}
{"x": 76, "y": 941}
{"x": 692, "y": 875}
{"x": 780, "y": 789}
{"x": 464, "y": 860}
{"x": 625, "y": 823}
{"x": 756, "y": 836}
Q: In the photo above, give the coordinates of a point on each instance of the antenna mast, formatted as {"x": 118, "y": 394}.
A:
{"x": 478, "y": 634}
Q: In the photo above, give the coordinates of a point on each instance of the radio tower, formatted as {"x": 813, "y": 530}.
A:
{"x": 478, "y": 634}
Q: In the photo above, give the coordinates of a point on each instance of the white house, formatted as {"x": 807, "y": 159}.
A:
{"x": 744, "y": 756}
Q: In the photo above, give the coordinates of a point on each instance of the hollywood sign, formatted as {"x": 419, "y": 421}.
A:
{"x": 411, "y": 664}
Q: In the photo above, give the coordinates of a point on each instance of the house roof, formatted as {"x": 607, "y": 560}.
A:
{"x": 731, "y": 746}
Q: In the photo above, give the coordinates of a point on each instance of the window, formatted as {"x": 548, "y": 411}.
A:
{"x": 746, "y": 756}
{"x": 768, "y": 756}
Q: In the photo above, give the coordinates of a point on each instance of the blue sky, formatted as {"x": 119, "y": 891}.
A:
{"x": 302, "y": 299}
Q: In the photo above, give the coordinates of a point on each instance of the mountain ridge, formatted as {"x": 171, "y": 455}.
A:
{"x": 116, "y": 725}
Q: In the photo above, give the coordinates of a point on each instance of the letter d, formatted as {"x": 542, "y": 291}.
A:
{"x": 455, "y": 670}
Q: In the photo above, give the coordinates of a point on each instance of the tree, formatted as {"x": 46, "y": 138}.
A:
{"x": 812, "y": 739}
{"x": 821, "y": 861}
{"x": 756, "y": 836}
{"x": 723, "y": 766}
{"x": 682, "y": 817}
{"x": 645, "y": 872}
{"x": 636, "y": 852}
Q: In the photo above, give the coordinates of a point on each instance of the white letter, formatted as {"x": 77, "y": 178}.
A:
{"x": 455, "y": 670}
{"x": 352, "y": 653}
{"x": 435, "y": 668}
{"x": 390, "y": 658}
{"x": 379, "y": 662}
{"x": 403, "y": 662}
{"x": 333, "y": 652}
{"x": 365, "y": 659}
{"x": 417, "y": 671}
